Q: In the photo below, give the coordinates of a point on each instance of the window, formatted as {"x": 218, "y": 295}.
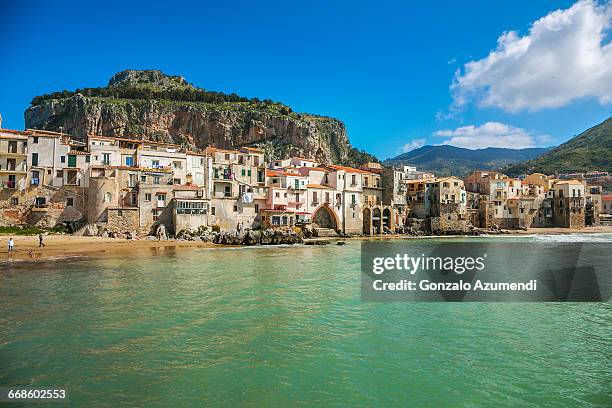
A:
{"x": 87, "y": 159}
{"x": 161, "y": 199}
{"x": 70, "y": 202}
{"x": 14, "y": 200}
{"x": 155, "y": 164}
{"x": 277, "y": 194}
{"x": 129, "y": 161}
{"x": 314, "y": 198}
{"x": 35, "y": 179}
{"x": 108, "y": 197}
{"x": 227, "y": 156}
{"x": 227, "y": 191}
{"x": 155, "y": 214}
{"x": 353, "y": 180}
{"x": 243, "y": 172}
{"x": 106, "y": 159}
{"x": 120, "y": 213}
{"x": 212, "y": 210}
{"x": 59, "y": 173}
{"x": 35, "y": 139}
{"x": 34, "y": 159}
{"x": 62, "y": 159}
{"x": 147, "y": 196}
{"x": 235, "y": 208}
{"x": 156, "y": 180}
{"x": 176, "y": 181}
{"x": 143, "y": 179}
{"x": 256, "y": 206}
{"x": 249, "y": 173}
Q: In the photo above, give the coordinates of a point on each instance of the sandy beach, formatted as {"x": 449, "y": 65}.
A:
{"x": 562, "y": 231}
{"x": 59, "y": 246}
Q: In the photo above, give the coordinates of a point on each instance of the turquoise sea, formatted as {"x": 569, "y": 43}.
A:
{"x": 285, "y": 326}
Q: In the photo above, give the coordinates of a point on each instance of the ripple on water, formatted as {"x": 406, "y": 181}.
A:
{"x": 283, "y": 327}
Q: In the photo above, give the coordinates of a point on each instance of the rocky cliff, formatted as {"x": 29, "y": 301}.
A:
{"x": 166, "y": 108}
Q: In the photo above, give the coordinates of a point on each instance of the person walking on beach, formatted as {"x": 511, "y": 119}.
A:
{"x": 40, "y": 241}
{"x": 11, "y": 247}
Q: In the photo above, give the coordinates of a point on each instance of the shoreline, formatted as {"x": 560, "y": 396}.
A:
{"x": 69, "y": 246}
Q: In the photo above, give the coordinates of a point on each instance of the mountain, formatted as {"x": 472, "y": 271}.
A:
{"x": 166, "y": 108}
{"x": 447, "y": 160}
{"x": 589, "y": 151}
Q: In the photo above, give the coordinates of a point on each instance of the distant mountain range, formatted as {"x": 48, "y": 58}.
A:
{"x": 589, "y": 151}
{"x": 448, "y": 160}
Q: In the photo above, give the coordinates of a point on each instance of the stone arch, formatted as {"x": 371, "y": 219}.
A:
{"x": 367, "y": 221}
{"x": 325, "y": 217}
{"x": 376, "y": 220}
{"x": 386, "y": 218}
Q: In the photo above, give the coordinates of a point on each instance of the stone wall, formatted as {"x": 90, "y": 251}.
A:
{"x": 122, "y": 219}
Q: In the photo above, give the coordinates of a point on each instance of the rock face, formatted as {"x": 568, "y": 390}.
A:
{"x": 153, "y": 111}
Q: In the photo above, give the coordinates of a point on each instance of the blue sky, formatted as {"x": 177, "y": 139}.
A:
{"x": 384, "y": 68}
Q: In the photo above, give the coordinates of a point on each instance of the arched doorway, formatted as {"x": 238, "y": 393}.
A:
{"x": 376, "y": 220}
{"x": 324, "y": 217}
{"x": 367, "y": 221}
{"x": 386, "y": 219}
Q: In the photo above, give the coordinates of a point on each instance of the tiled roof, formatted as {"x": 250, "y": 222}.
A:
{"x": 347, "y": 169}
{"x": 213, "y": 149}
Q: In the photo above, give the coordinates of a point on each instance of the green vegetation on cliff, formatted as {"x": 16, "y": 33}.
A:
{"x": 166, "y": 108}
{"x": 589, "y": 151}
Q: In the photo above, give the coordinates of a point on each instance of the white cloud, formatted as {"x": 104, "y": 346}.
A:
{"x": 415, "y": 144}
{"x": 491, "y": 134}
{"x": 565, "y": 56}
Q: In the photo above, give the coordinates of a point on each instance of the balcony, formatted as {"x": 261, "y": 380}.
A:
{"x": 40, "y": 208}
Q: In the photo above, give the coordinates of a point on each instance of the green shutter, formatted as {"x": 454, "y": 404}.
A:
{"x": 72, "y": 160}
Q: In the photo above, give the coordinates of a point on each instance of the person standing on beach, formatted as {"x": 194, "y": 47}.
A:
{"x": 11, "y": 247}
{"x": 40, "y": 241}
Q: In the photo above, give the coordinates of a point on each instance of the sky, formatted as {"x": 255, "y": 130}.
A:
{"x": 400, "y": 75}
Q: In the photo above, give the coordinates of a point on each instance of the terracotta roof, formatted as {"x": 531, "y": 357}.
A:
{"x": 314, "y": 169}
{"x": 569, "y": 182}
{"x": 279, "y": 173}
{"x": 79, "y": 153}
{"x": 18, "y": 133}
{"x": 253, "y": 149}
{"x": 192, "y": 153}
{"x": 213, "y": 149}
{"x": 347, "y": 169}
